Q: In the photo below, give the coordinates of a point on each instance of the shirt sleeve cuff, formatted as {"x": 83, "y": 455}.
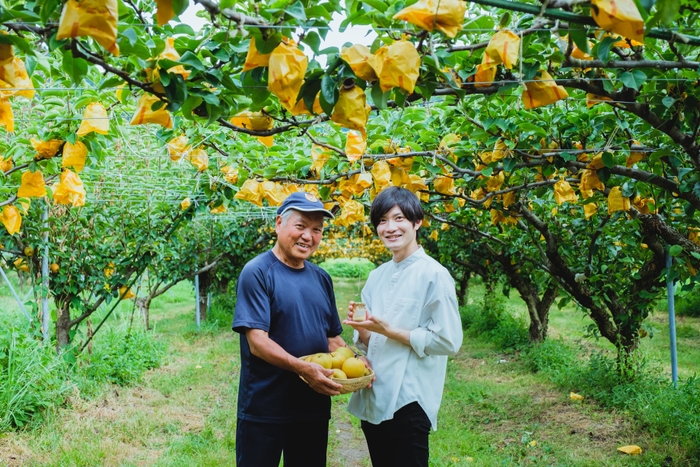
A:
{"x": 358, "y": 342}
{"x": 418, "y": 339}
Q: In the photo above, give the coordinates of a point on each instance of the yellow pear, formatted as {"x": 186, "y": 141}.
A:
{"x": 337, "y": 359}
{"x": 354, "y": 367}
{"x": 338, "y": 374}
{"x": 323, "y": 359}
{"x": 345, "y": 351}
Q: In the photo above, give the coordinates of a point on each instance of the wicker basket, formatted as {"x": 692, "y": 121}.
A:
{"x": 350, "y": 385}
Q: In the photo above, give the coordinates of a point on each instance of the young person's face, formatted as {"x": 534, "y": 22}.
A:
{"x": 299, "y": 238}
{"x": 398, "y": 233}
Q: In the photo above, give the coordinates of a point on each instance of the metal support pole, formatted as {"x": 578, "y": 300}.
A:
{"x": 12, "y": 289}
{"x": 208, "y": 302}
{"x": 671, "y": 318}
{"x": 196, "y": 297}
{"x": 45, "y": 316}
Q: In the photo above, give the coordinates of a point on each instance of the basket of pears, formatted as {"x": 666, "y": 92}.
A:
{"x": 348, "y": 370}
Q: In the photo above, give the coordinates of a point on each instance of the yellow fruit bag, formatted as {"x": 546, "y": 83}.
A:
{"x": 445, "y": 185}
{"x": 444, "y": 15}
{"x": 46, "y": 149}
{"x": 185, "y": 203}
{"x": 70, "y": 189}
{"x": 32, "y": 186}
{"x": 255, "y": 59}
{"x": 397, "y": 65}
{"x": 351, "y": 212}
{"x": 145, "y": 114}
{"x": 164, "y": 11}
{"x": 355, "y": 145}
{"x": 542, "y": 91}
{"x": 11, "y": 219}
{"x": 617, "y": 202}
{"x": 22, "y": 82}
{"x": 7, "y": 118}
{"x": 169, "y": 53}
{"x": 351, "y": 110}
{"x": 95, "y": 119}
{"x": 177, "y": 147}
{"x": 319, "y": 157}
{"x": 381, "y": 172}
{"x": 220, "y": 209}
{"x": 564, "y": 193}
{"x": 619, "y": 16}
{"x": 230, "y": 174}
{"x": 359, "y": 58}
{"x": 93, "y": 18}
{"x": 300, "y": 107}
{"x": 273, "y": 192}
{"x": 199, "y": 158}
{"x": 504, "y": 48}
{"x": 250, "y": 191}
{"x": 74, "y": 155}
{"x": 286, "y": 70}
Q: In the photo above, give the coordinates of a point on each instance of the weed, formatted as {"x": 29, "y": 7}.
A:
{"x": 348, "y": 268}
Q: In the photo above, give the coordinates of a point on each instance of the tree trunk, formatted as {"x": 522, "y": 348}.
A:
{"x": 62, "y": 322}
{"x": 463, "y": 294}
{"x": 204, "y": 282}
{"x": 143, "y": 305}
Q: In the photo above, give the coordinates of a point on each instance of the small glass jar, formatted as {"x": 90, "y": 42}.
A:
{"x": 360, "y": 312}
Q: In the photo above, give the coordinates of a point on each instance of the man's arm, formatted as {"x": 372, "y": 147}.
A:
{"x": 265, "y": 348}
{"x": 335, "y": 343}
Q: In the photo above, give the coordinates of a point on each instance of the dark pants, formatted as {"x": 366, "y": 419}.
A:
{"x": 262, "y": 444}
{"x": 401, "y": 441}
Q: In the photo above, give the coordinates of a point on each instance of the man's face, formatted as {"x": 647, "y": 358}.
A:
{"x": 397, "y": 233}
{"x": 299, "y": 238}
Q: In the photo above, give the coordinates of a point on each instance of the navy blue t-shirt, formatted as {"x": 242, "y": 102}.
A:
{"x": 296, "y": 307}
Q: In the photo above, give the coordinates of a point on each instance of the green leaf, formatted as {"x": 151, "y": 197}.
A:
{"x": 505, "y": 20}
{"x": 668, "y": 101}
{"x": 329, "y": 93}
{"x": 633, "y": 79}
{"x": 76, "y": 68}
{"x": 578, "y": 34}
{"x": 602, "y": 49}
{"x": 188, "y": 58}
{"x": 379, "y": 97}
{"x": 214, "y": 112}
{"x": 179, "y": 6}
{"x": 376, "y": 4}
{"x": 296, "y": 10}
{"x": 666, "y": 13}
{"x": 191, "y": 103}
{"x": 313, "y": 40}
{"x": 400, "y": 97}
{"x": 675, "y": 250}
{"x": 608, "y": 159}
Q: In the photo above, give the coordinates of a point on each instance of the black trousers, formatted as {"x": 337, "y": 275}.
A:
{"x": 262, "y": 444}
{"x": 401, "y": 441}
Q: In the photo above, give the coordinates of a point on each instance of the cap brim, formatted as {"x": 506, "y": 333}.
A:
{"x": 326, "y": 213}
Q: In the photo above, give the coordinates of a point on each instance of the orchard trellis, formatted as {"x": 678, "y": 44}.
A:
{"x": 559, "y": 144}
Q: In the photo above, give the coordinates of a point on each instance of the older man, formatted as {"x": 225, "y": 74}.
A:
{"x": 285, "y": 308}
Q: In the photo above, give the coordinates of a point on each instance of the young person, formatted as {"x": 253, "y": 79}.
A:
{"x": 412, "y": 326}
{"x": 285, "y": 308}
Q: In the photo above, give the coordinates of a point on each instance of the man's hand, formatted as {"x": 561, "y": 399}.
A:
{"x": 319, "y": 379}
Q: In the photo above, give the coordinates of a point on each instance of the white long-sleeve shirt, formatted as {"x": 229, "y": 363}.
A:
{"x": 417, "y": 295}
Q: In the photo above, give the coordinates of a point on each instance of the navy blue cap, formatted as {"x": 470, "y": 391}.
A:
{"x": 305, "y": 202}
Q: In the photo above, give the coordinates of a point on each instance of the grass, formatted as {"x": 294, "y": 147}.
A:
{"x": 495, "y": 412}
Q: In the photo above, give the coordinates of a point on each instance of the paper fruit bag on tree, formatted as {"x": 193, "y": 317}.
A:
{"x": 446, "y": 16}
{"x": 397, "y": 65}
{"x": 145, "y": 114}
{"x": 70, "y": 189}
{"x": 93, "y": 18}
{"x": 95, "y": 119}
{"x": 619, "y": 16}
{"x": 359, "y": 58}
{"x": 286, "y": 70}
{"x": 543, "y": 90}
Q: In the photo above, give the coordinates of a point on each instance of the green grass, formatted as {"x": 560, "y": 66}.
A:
{"x": 495, "y": 412}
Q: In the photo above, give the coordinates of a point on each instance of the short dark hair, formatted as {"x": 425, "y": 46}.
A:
{"x": 406, "y": 200}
